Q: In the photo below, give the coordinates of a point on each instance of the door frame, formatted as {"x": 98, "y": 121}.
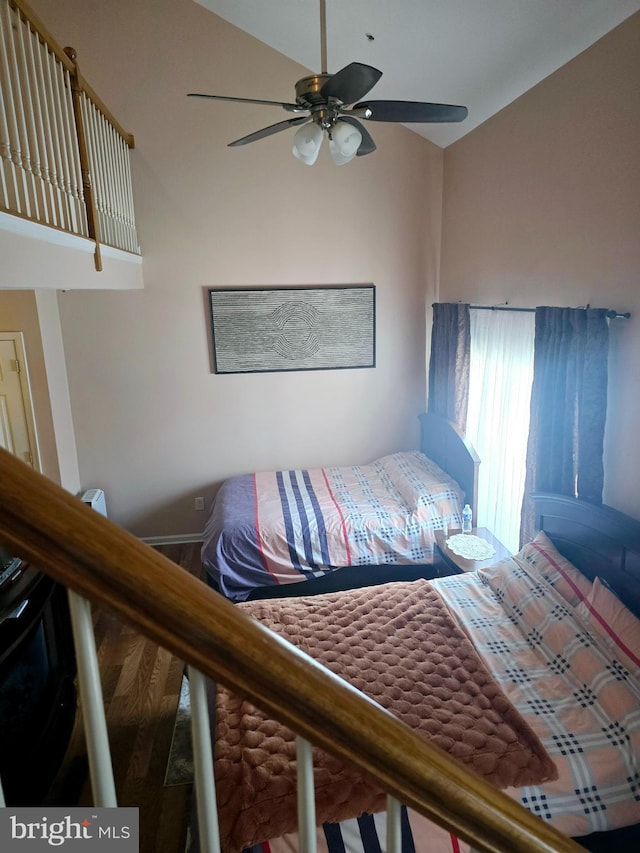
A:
{"x": 27, "y": 398}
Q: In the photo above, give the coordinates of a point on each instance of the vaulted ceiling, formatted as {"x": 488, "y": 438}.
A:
{"x": 479, "y": 53}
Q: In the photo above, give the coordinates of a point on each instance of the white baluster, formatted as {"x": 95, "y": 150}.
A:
{"x": 306, "y": 797}
{"x": 57, "y": 89}
{"x": 394, "y": 825}
{"x": 28, "y": 88}
{"x": 131, "y": 218}
{"x": 77, "y": 207}
{"x": 40, "y": 55}
{"x": 22, "y": 146}
{"x": 11, "y": 96}
{"x": 205, "y": 785}
{"x": 90, "y": 689}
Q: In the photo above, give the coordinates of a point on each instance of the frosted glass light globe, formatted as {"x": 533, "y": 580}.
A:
{"x": 344, "y": 142}
{"x": 307, "y": 142}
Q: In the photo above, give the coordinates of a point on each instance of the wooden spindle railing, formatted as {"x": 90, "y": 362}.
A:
{"x": 103, "y": 563}
{"x": 64, "y": 159}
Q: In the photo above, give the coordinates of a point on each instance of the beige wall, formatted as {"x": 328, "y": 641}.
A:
{"x": 154, "y": 425}
{"x": 542, "y": 206}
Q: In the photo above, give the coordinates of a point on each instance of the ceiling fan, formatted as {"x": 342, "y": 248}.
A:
{"x": 332, "y": 103}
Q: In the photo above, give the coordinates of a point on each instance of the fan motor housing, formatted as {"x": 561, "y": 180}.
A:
{"x": 308, "y": 90}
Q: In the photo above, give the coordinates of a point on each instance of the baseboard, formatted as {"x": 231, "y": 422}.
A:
{"x": 177, "y": 539}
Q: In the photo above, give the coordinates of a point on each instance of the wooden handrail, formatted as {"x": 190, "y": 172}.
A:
{"x": 97, "y": 559}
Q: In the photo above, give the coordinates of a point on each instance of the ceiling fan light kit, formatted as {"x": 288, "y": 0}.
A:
{"x": 344, "y": 142}
{"x": 331, "y": 104}
{"x": 307, "y": 142}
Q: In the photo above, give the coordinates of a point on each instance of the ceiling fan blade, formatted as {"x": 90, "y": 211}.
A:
{"x": 269, "y": 131}
{"x": 411, "y": 111}
{"x": 367, "y": 146}
{"x": 351, "y": 82}
{"x": 283, "y": 104}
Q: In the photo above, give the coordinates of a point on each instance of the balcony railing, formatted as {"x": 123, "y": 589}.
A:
{"x": 64, "y": 159}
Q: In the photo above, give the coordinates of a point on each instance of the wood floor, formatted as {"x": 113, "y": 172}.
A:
{"x": 141, "y": 687}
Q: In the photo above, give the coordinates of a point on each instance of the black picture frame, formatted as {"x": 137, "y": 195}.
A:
{"x": 277, "y": 329}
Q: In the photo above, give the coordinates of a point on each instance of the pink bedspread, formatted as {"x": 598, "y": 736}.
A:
{"x": 398, "y": 644}
{"x": 575, "y": 693}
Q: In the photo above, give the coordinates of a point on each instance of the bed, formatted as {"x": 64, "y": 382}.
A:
{"x": 278, "y": 533}
{"x": 562, "y": 651}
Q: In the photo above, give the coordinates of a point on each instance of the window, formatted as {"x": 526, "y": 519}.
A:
{"x": 501, "y": 374}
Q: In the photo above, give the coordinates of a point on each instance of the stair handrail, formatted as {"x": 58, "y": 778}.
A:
{"x": 97, "y": 559}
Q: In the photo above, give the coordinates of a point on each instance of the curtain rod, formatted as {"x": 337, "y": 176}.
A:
{"x": 611, "y": 314}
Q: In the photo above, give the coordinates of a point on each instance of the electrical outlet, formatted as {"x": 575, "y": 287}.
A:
{"x": 199, "y": 503}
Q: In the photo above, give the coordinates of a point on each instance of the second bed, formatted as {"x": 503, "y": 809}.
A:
{"x": 269, "y": 531}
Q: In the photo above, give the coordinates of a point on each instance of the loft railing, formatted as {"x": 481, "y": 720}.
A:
{"x": 64, "y": 159}
{"x": 103, "y": 564}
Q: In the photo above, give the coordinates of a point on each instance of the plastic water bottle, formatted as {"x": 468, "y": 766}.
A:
{"x": 466, "y": 519}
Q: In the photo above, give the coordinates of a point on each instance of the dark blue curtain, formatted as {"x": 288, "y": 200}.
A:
{"x": 449, "y": 362}
{"x": 568, "y": 406}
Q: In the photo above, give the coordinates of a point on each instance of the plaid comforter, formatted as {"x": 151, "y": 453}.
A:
{"x": 280, "y": 527}
{"x": 576, "y": 695}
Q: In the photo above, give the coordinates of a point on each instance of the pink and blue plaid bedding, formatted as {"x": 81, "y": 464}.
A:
{"x": 280, "y": 527}
{"x": 576, "y": 695}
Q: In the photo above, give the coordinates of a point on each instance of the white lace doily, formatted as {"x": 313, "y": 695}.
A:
{"x": 470, "y": 547}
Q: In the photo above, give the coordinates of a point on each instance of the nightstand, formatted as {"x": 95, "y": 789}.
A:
{"x": 448, "y": 563}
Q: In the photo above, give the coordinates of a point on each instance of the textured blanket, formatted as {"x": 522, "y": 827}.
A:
{"x": 399, "y": 645}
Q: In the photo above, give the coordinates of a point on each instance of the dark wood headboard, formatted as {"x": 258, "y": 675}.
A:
{"x": 445, "y": 443}
{"x": 598, "y": 540}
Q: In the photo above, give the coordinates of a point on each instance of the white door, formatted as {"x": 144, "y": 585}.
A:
{"x": 17, "y": 425}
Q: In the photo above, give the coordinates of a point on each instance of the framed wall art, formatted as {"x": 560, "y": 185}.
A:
{"x": 257, "y": 330}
